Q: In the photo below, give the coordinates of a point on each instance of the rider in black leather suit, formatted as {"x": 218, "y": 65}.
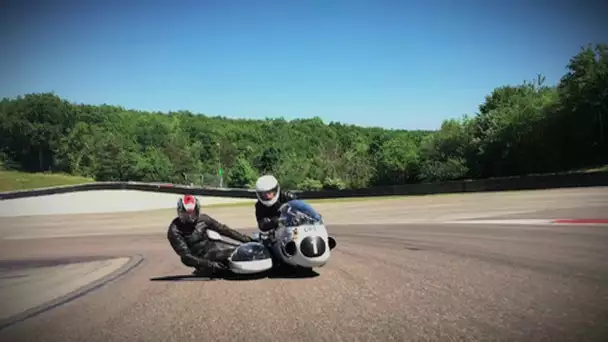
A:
{"x": 188, "y": 237}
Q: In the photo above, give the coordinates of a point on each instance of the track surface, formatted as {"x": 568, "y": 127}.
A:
{"x": 412, "y": 281}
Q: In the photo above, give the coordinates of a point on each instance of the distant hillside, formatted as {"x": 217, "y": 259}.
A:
{"x": 519, "y": 129}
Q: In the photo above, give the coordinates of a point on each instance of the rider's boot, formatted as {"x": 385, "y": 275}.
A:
{"x": 203, "y": 272}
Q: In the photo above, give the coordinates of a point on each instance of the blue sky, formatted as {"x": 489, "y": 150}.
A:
{"x": 394, "y": 64}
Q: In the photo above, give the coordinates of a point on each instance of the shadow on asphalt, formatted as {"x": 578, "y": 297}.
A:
{"x": 283, "y": 273}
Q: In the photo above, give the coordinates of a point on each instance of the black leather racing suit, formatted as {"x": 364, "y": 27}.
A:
{"x": 268, "y": 217}
{"x": 190, "y": 241}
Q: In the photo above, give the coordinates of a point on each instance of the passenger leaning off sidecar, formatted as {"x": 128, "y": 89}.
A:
{"x": 187, "y": 235}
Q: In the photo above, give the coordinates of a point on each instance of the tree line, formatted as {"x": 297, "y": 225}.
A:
{"x": 519, "y": 129}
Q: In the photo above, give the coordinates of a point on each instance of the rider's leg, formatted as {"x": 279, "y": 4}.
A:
{"x": 214, "y": 251}
{"x": 217, "y": 251}
{"x": 208, "y": 250}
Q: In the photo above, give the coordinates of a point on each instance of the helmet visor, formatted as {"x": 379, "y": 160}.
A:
{"x": 268, "y": 195}
{"x": 187, "y": 216}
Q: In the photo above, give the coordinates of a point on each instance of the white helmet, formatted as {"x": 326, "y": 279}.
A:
{"x": 268, "y": 190}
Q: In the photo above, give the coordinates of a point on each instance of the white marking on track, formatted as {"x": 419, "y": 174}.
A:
{"x": 523, "y": 221}
{"x": 514, "y": 221}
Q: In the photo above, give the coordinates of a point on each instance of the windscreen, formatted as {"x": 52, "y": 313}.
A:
{"x": 297, "y": 213}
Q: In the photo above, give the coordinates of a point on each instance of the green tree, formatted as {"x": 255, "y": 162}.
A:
{"x": 583, "y": 118}
{"x": 443, "y": 154}
{"x": 242, "y": 174}
{"x": 398, "y": 161}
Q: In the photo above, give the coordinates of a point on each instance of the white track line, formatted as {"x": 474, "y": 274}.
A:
{"x": 526, "y": 222}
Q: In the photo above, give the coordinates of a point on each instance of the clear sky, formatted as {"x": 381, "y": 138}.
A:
{"x": 394, "y": 64}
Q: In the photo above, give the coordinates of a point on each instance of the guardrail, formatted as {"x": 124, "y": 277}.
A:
{"x": 151, "y": 187}
{"x": 535, "y": 182}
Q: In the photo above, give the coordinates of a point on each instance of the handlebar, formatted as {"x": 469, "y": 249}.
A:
{"x": 263, "y": 235}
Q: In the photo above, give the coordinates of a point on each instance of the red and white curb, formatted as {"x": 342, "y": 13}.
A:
{"x": 536, "y": 221}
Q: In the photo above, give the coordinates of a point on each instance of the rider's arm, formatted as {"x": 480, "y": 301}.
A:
{"x": 180, "y": 247}
{"x": 265, "y": 223}
{"x": 224, "y": 229}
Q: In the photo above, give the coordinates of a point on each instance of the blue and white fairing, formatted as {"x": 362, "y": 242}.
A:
{"x": 301, "y": 238}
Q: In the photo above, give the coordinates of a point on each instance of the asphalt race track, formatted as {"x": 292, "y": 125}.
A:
{"x": 419, "y": 280}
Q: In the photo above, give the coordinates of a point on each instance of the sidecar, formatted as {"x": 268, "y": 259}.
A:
{"x": 250, "y": 258}
{"x": 245, "y": 258}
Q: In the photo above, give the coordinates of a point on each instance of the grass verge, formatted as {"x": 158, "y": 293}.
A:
{"x": 15, "y": 180}
{"x": 603, "y": 168}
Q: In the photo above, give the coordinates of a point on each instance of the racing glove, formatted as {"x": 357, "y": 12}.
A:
{"x": 217, "y": 265}
{"x": 269, "y": 223}
{"x": 212, "y": 265}
{"x": 248, "y": 239}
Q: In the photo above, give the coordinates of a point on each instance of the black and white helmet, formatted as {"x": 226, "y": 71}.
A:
{"x": 268, "y": 190}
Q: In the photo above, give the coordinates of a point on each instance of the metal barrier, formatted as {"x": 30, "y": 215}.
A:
{"x": 535, "y": 182}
